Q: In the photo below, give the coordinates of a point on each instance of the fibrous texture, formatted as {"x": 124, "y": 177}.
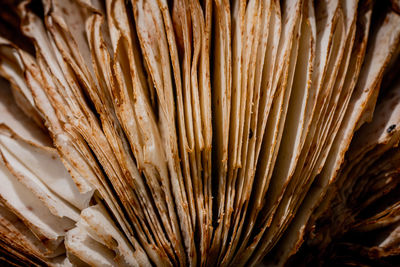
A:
{"x": 199, "y": 132}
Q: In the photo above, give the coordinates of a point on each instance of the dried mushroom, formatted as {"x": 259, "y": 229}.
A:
{"x": 199, "y": 133}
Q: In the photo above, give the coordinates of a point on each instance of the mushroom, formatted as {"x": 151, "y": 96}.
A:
{"x": 199, "y": 133}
